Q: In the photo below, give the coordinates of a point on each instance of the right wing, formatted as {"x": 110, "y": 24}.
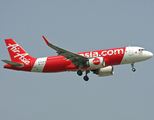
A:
{"x": 75, "y": 58}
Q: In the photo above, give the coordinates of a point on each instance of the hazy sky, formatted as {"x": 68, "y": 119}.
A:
{"x": 78, "y": 26}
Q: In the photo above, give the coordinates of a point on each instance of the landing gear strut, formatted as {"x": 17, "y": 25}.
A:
{"x": 133, "y": 69}
{"x": 79, "y": 72}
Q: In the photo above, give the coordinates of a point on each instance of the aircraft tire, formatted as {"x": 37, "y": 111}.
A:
{"x": 133, "y": 69}
{"x": 86, "y": 78}
{"x": 79, "y": 72}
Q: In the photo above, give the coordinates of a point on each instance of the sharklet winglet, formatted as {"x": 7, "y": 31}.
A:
{"x": 47, "y": 42}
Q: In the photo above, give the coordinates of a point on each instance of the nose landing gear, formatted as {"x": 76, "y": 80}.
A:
{"x": 133, "y": 69}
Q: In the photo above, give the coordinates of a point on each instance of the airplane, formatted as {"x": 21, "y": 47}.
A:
{"x": 99, "y": 62}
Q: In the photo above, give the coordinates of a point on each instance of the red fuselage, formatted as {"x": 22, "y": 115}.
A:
{"x": 60, "y": 63}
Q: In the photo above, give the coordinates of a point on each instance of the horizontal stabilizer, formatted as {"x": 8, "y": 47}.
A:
{"x": 13, "y": 63}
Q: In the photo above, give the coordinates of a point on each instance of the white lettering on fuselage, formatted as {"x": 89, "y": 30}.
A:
{"x": 103, "y": 53}
{"x": 21, "y": 56}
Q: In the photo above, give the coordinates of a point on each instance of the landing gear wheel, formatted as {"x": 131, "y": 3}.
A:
{"x": 79, "y": 72}
{"x": 86, "y": 78}
{"x": 133, "y": 69}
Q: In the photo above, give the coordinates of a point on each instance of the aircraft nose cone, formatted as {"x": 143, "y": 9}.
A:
{"x": 149, "y": 55}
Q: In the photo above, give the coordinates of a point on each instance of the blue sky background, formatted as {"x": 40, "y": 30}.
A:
{"x": 78, "y": 26}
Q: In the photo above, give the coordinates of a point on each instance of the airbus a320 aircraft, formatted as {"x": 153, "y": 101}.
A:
{"x": 100, "y": 62}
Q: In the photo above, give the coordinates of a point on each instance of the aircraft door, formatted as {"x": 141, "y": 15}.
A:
{"x": 131, "y": 51}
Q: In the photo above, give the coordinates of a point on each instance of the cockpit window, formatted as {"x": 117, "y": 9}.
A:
{"x": 141, "y": 49}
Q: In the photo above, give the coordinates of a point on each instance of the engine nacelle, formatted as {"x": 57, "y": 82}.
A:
{"x": 95, "y": 63}
{"x": 106, "y": 71}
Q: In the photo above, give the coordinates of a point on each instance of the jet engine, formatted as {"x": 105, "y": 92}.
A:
{"x": 106, "y": 71}
{"x": 95, "y": 63}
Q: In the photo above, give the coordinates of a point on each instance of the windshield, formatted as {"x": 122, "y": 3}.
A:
{"x": 141, "y": 49}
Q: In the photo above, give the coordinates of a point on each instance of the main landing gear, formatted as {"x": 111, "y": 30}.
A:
{"x": 86, "y": 78}
{"x": 79, "y": 72}
{"x": 133, "y": 69}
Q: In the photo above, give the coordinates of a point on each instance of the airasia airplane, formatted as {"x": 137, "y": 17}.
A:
{"x": 100, "y": 62}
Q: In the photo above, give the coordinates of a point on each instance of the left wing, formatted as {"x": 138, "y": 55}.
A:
{"x": 75, "y": 58}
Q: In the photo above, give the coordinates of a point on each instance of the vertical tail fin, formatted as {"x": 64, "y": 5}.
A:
{"x": 17, "y": 54}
